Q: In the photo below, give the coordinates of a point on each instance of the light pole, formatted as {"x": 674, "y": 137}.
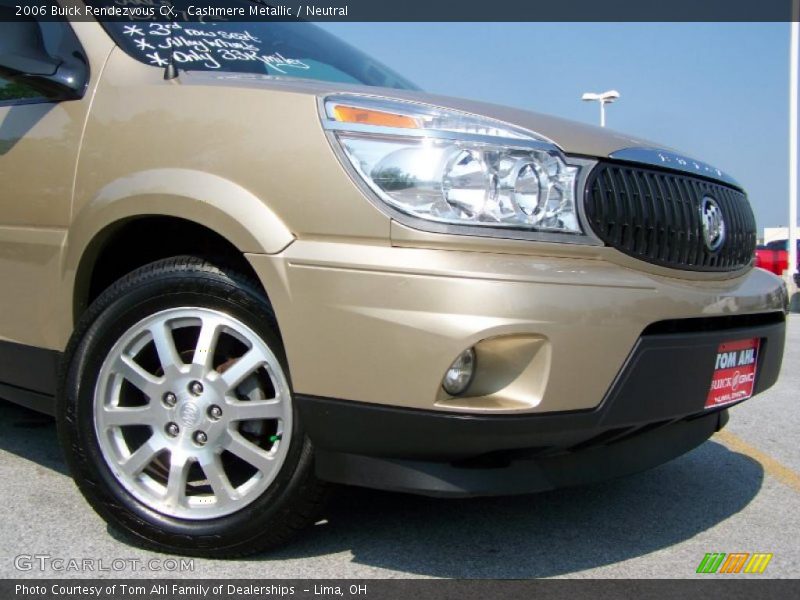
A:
{"x": 603, "y": 98}
{"x": 793, "y": 66}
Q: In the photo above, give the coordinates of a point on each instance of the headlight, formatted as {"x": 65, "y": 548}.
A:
{"x": 455, "y": 168}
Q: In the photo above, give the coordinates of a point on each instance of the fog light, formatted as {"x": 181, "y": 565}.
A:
{"x": 459, "y": 375}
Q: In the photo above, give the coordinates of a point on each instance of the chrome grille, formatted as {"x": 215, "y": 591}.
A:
{"x": 654, "y": 215}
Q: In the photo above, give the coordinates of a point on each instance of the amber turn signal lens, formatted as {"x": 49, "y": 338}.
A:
{"x": 364, "y": 116}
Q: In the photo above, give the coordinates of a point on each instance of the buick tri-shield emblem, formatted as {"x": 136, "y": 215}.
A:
{"x": 713, "y": 223}
{"x": 189, "y": 414}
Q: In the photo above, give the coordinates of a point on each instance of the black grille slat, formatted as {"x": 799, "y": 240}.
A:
{"x": 685, "y": 231}
{"x": 632, "y": 204}
{"x": 629, "y": 229}
{"x": 652, "y": 212}
{"x": 729, "y": 208}
{"x": 662, "y": 219}
{"x": 648, "y": 222}
{"x": 748, "y": 223}
{"x": 697, "y": 256}
{"x": 610, "y": 195}
{"x": 654, "y": 215}
{"x": 669, "y": 218}
{"x": 678, "y": 225}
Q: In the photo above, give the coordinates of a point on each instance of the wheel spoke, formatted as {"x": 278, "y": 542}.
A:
{"x": 206, "y": 343}
{"x": 142, "y": 457}
{"x": 278, "y": 395}
{"x": 165, "y": 346}
{"x": 176, "y": 481}
{"x": 247, "y": 410}
{"x": 249, "y": 453}
{"x": 243, "y": 367}
{"x": 218, "y": 479}
{"x": 136, "y": 375}
{"x": 117, "y": 416}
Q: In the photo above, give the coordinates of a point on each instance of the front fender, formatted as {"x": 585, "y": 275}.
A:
{"x": 216, "y": 203}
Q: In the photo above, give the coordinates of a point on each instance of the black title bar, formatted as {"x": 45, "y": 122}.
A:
{"x": 711, "y": 588}
{"x": 407, "y": 11}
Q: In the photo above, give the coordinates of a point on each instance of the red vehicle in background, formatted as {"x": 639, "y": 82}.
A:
{"x": 774, "y": 257}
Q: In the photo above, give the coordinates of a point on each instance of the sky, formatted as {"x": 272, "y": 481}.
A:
{"x": 718, "y": 92}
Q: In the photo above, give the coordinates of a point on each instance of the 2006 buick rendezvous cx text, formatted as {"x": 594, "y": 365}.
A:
{"x": 168, "y": 11}
{"x": 283, "y": 265}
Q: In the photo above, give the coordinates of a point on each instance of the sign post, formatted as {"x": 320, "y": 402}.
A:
{"x": 793, "y": 65}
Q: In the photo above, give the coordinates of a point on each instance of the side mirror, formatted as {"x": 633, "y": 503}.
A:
{"x": 24, "y": 58}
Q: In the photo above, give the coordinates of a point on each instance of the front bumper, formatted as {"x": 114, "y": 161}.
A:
{"x": 592, "y": 367}
{"x": 372, "y": 323}
{"x": 653, "y": 413}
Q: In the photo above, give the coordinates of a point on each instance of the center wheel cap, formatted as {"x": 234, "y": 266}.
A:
{"x": 189, "y": 414}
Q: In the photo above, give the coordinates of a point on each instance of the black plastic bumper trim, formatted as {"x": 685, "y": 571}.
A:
{"x": 29, "y": 367}
{"x": 43, "y": 403}
{"x": 521, "y": 476}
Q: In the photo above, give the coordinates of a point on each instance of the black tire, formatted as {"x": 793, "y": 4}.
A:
{"x": 295, "y": 496}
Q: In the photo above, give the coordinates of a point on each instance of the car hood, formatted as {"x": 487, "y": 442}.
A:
{"x": 570, "y": 136}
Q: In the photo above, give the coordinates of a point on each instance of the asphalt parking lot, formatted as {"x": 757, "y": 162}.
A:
{"x": 739, "y": 492}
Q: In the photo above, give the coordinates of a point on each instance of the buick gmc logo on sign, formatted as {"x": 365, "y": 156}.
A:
{"x": 734, "y": 372}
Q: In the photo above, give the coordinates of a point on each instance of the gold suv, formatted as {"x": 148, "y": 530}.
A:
{"x": 240, "y": 261}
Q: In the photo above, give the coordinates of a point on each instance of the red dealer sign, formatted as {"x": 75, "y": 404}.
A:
{"x": 734, "y": 372}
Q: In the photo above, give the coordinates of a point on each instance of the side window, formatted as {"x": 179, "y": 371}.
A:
{"x": 59, "y": 41}
{"x": 12, "y": 92}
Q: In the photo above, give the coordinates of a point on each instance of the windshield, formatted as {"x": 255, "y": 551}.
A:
{"x": 279, "y": 49}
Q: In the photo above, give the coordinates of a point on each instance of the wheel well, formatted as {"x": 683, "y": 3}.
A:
{"x": 130, "y": 244}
